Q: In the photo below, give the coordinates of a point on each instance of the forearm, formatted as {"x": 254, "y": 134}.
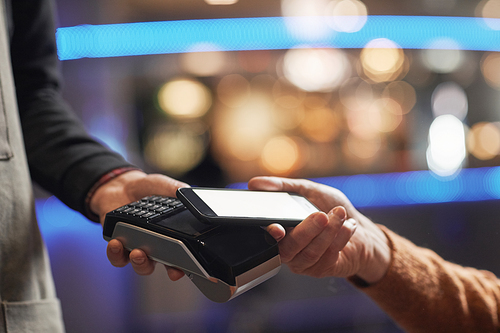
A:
{"x": 425, "y": 293}
{"x": 62, "y": 157}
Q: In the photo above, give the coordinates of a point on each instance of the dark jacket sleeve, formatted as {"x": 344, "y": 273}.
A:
{"x": 62, "y": 157}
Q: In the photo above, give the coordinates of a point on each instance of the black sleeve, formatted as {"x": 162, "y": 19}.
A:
{"x": 62, "y": 157}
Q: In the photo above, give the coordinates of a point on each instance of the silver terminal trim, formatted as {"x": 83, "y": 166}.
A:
{"x": 173, "y": 252}
{"x": 159, "y": 247}
{"x": 219, "y": 291}
{"x": 257, "y": 275}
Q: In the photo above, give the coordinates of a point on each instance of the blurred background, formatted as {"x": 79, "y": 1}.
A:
{"x": 396, "y": 103}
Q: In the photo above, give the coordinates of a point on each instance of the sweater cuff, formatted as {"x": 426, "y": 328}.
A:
{"x": 103, "y": 180}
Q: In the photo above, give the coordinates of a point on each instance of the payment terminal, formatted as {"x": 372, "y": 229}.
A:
{"x": 222, "y": 261}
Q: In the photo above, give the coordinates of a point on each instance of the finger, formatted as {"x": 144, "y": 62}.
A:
{"x": 344, "y": 235}
{"x": 117, "y": 255}
{"x": 313, "y": 252}
{"x": 301, "y": 186}
{"x": 156, "y": 184}
{"x": 277, "y": 231}
{"x": 141, "y": 263}
{"x": 300, "y": 236}
{"x": 173, "y": 273}
{"x": 332, "y": 263}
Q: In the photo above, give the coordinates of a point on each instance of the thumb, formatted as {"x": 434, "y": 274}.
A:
{"x": 265, "y": 183}
{"x": 277, "y": 231}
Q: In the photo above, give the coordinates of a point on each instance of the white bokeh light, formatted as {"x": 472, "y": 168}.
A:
{"x": 446, "y": 151}
{"x": 489, "y": 10}
{"x": 449, "y": 98}
{"x": 316, "y": 69}
{"x": 305, "y": 19}
{"x": 443, "y": 56}
{"x": 346, "y": 15}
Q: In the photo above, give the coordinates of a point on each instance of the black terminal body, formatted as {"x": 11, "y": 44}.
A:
{"x": 222, "y": 261}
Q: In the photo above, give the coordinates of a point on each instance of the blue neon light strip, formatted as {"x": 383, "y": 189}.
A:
{"x": 131, "y": 39}
{"x": 418, "y": 187}
{"x": 415, "y": 187}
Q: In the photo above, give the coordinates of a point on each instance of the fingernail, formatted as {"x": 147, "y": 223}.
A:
{"x": 339, "y": 212}
{"x": 138, "y": 261}
{"x": 351, "y": 223}
{"x": 114, "y": 249}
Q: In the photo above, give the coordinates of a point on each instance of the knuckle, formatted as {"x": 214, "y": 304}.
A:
{"x": 310, "y": 255}
{"x": 296, "y": 269}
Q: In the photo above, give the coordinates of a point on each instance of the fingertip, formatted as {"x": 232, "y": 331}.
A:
{"x": 115, "y": 246}
{"x": 264, "y": 183}
{"x": 339, "y": 212}
{"x": 141, "y": 263}
{"x": 116, "y": 254}
{"x": 174, "y": 274}
{"x": 352, "y": 224}
{"x": 277, "y": 231}
{"x": 320, "y": 219}
{"x": 137, "y": 257}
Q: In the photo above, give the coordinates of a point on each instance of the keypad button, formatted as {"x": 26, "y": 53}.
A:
{"x": 151, "y": 207}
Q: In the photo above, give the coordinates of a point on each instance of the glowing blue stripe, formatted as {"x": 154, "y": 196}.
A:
{"x": 382, "y": 190}
{"x": 415, "y": 187}
{"x": 412, "y": 32}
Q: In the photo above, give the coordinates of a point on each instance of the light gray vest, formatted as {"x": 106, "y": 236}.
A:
{"x": 27, "y": 294}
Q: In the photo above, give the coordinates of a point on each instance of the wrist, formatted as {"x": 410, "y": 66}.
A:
{"x": 379, "y": 261}
{"x": 109, "y": 186}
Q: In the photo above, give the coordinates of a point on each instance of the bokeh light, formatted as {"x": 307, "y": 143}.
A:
{"x": 254, "y": 61}
{"x": 449, "y": 98}
{"x": 490, "y": 11}
{"x": 280, "y": 155}
{"x": 316, "y": 69}
{"x": 241, "y": 133}
{"x": 287, "y": 94}
{"x": 288, "y": 118}
{"x": 346, "y": 15}
{"x": 356, "y": 93}
{"x": 363, "y": 148}
{"x": 446, "y": 151}
{"x": 382, "y": 60}
{"x": 483, "y": 140}
{"x": 385, "y": 115}
{"x": 305, "y": 18}
{"x": 233, "y": 90}
{"x": 184, "y": 98}
{"x": 176, "y": 149}
{"x": 204, "y": 63}
{"x": 320, "y": 125}
{"x": 403, "y": 93}
{"x": 360, "y": 124}
{"x": 313, "y": 111}
{"x": 443, "y": 56}
{"x": 288, "y": 111}
{"x": 490, "y": 67}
